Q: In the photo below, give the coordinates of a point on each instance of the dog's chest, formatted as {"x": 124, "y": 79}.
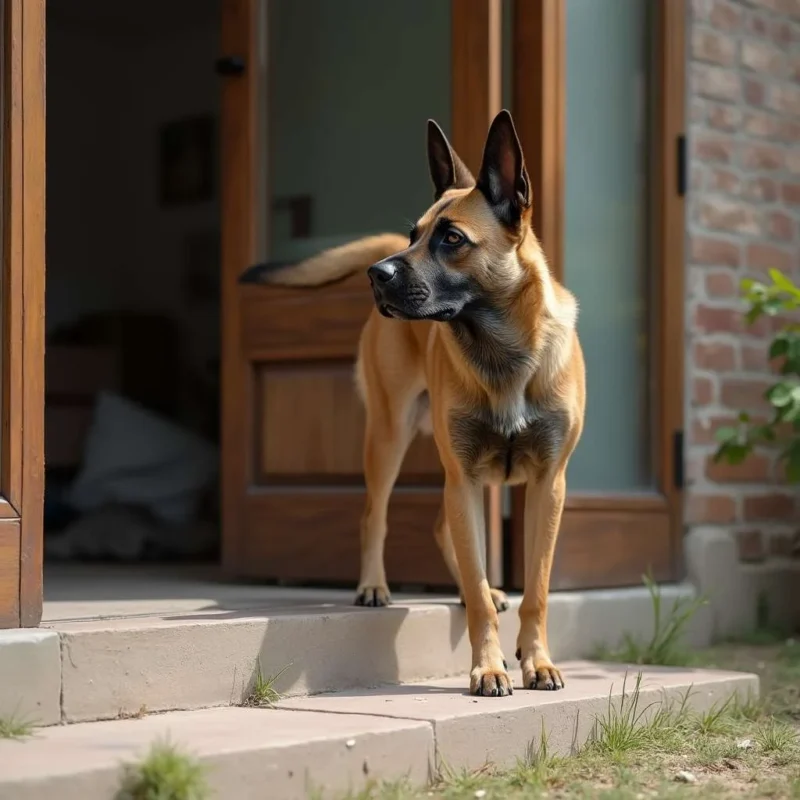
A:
{"x": 508, "y": 444}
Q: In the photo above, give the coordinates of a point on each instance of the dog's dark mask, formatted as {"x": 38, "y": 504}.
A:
{"x": 409, "y": 287}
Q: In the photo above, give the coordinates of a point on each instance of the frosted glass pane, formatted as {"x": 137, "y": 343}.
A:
{"x": 353, "y": 83}
{"x": 605, "y": 247}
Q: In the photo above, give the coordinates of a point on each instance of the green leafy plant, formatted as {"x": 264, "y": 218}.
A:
{"x": 736, "y": 442}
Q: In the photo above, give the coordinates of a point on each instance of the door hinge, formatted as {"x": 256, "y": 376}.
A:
{"x": 677, "y": 459}
{"x": 681, "y": 165}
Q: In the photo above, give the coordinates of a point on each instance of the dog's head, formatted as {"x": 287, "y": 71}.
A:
{"x": 462, "y": 252}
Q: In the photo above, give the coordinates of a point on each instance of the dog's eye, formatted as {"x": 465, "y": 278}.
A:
{"x": 453, "y": 237}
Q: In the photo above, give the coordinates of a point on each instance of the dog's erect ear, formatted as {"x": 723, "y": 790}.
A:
{"x": 448, "y": 171}
{"x": 503, "y": 178}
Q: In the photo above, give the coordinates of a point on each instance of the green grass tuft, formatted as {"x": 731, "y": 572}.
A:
{"x": 774, "y": 736}
{"x": 14, "y": 727}
{"x": 164, "y": 774}
{"x": 263, "y": 693}
{"x": 665, "y": 647}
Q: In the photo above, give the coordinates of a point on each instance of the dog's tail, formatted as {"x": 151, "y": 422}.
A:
{"x": 330, "y": 265}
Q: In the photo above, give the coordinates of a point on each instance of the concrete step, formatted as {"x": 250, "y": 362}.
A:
{"x": 340, "y": 741}
{"x": 76, "y": 669}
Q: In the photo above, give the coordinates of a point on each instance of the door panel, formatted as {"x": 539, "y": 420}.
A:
{"x": 9, "y": 573}
{"x": 346, "y": 158}
{"x": 22, "y": 159}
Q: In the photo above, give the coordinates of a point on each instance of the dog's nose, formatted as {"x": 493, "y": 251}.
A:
{"x": 382, "y": 272}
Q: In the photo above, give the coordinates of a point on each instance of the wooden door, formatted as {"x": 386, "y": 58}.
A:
{"x": 22, "y": 158}
{"x": 292, "y": 486}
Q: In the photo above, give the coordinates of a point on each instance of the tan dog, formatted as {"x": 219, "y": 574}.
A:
{"x": 470, "y": 335}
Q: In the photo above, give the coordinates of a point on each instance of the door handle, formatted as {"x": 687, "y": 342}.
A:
{"x": 228, "y": 66}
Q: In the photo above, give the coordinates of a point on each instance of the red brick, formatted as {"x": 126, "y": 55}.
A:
{"x": 794, "y": 67}
{"x": 754, "y": 91}
{"x": 714, "y": 356}
{"x": 751, "y": 545}
{"x": 784, "y": 98}
{"x": 712, "y": 319}
{"x": 704, "y": 431}
{"x": 757, "y": 24}
{"x": 714, "y": 252}
{"x": 761, "y": 190}
{"x": 724, "y": 181}
{"x": 708, "y": 45}
{"x": 755, "y": 357}
{"x": 716, "y": 83}
{"x": 790, "y": 131}
{"x": 698, "y": 177}
{"x": 781, "y": 321}
{"x": 791, "y": 193}
{"x": 714, "y": 149}
{"x": 782, "y": 545}
{"x": 702, "y": 391}
{"x": 762, "y": 157}
{"x": 763, "y": 257}
{"x": 769, "y": 506}
{"x": 727, "y": 215}
{"x": 793, "y": 161}
{"x": 711, "y": 508}
{"x": 760, "y": 57}
{"x": 789, "y": 7}
{"x": 744, "y": 393}
{"x": 721, "y": 284}
{"x": 780, "y": 225}
{"x": 721, "y": 14}
{"x": 784, "y": 33}
{"x": 724, "y": 118}
{"x": 754, "y": 469}
{"x": 761, "y": 125}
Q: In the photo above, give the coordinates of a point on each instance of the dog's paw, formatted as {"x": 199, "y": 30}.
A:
{"x": 499, "y": 598}
{"x": 489, "y": 682}
{"x": 373, "y": 596}
{"x": 541, "y": 674}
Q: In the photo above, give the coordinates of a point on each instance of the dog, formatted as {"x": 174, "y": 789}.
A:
{"x": 473, "y": 340}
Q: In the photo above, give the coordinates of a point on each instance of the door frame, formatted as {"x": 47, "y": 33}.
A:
{"x": 607, "y": 540}
{"x": 22, "y": 344}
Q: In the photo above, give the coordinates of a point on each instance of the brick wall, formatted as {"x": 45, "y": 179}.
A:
{"x": 743, "y": 218}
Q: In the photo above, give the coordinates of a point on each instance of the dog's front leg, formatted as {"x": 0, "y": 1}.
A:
{"x": 544, "y": 503}
{"x": 464, "y": 508}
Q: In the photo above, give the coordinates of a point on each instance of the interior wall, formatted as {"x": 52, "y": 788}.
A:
{"x": 111, "y": 244}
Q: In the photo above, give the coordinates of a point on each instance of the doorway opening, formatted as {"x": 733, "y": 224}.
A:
{"x": 133, "y": 266}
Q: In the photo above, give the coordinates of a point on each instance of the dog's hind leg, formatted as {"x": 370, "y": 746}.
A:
{"x": 391, "y": 395}
{"x": 445, "y": 541}
{"x": 384, "y": 448}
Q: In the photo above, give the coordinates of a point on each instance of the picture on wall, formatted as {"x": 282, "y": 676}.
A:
{"x": 186, "y": 156}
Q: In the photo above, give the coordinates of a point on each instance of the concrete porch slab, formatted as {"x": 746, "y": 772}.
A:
{"x": 340, "y": 741}
{"x": 471, "y": 732}
{"x": 30, "y": 676}
{"x": 198, "y": 659}
{"x": 249, "y": 753}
